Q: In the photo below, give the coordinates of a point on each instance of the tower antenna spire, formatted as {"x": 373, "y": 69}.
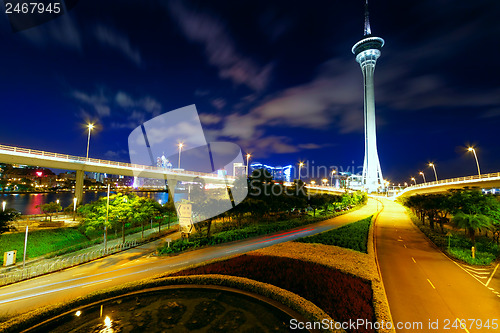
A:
{"x": 368, "y": 30}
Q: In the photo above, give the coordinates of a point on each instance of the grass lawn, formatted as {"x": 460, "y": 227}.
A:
{"x": 352, "y": 236}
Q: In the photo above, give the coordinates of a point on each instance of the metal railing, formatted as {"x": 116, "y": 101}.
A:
{"x": 466, "y": 179}
{"x": 62, "y": 263}
{"x": 75, "y": 159}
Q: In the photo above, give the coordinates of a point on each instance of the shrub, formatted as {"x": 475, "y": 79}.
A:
{"x": 353, "y": 236}
{"x": 340, "y": 295}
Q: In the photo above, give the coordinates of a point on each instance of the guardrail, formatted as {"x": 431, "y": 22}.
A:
{"x": 58, "y": 264}
{"x": 72, "y": 158}
{"x": 487, "y": 176}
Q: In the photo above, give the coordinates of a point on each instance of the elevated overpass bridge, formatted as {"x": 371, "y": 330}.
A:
{"x": 33, "y": 157}
{"x": 489, "y": 180}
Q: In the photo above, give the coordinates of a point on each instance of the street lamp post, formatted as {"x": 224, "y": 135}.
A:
{"x": 331, "y": 178}
{"x": 106, "y": 223}
{"x": 248, "y": 158}
{"x": 434, "y": 167}
{"x": 91, "y": 127}
{"x": 325, "y": 181}
{"x": 3, "y": 205}
{"x": 414, "y": 180}
{"x": 313, "y": 182}
{"x": 477, "y": 162}
{"x": 180, "y": 149}
{"x": 74, "y": 208}
{"x": 300, "y": 167}
{"x": 423, "y": 176}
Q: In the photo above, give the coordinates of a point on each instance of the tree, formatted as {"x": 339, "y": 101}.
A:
{"x": 50, "y": 208}
{"x": 6, "y": 217}
{"x": 472, "y": 223}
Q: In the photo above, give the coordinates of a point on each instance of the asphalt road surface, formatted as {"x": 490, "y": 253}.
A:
{"x": 425, "y": 286}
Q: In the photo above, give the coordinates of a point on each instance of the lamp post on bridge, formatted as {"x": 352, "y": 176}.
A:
{"x": 248, "y": 159}
{"x": 90, "y": 127}
{"x": 423, "y": 176}
{"x": 414, "y": 180}
{"x": 435, "y": 173}
{"x": 180, "y": 149}
{"x": 477, "y": 162}
{"x": 300, "y": 167}
{"x": 331, "y": 177}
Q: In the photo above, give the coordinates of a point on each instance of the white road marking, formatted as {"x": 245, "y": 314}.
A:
{"x": 431, "y": 283}
{"x": 494, "y": 271}
{"x": 413, "y": 260}
{"x": 92, "y": 284}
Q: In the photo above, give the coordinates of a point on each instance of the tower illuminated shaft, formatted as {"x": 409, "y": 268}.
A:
{"x": 367, "y": 51}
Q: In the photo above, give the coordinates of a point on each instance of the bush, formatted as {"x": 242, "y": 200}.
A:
{"x": 353, "y": 236}
{"x": 342, "y": 296}
{"x": 198, "y": 240}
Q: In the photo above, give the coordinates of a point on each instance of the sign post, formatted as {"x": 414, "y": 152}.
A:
{"x": 25, "y": 243}
{"x": 184, "y": 212}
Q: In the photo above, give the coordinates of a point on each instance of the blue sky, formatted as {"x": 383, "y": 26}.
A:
{"x": 276, "y": 77}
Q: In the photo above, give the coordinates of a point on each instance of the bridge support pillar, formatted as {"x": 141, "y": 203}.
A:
{"x": 171, "y": 184}
{"x": 79, "y": 186}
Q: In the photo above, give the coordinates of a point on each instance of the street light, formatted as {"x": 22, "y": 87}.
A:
{"x": 423, "y": 176}
{"x": 434, "y": 167}
{"x": 248, "y": 158}
{"x": 325, "y": 181}
{"x": 300, "y": 167}
{"x": 413, "y": 178}
{"x": 3, "y": 205}
{"x": 313, "y": 182}
{"x": 180, "y": 149}
{"x": 331, "y": 178}
{"x": 91, "y": 127}
{"x": 477, "y": 162}
{"x": 74, "y": 208}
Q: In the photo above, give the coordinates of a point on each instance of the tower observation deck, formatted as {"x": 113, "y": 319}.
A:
{"x": 367, "y": 51}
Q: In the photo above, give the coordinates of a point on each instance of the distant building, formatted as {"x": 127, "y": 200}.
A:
{"x": 279, "y": 172}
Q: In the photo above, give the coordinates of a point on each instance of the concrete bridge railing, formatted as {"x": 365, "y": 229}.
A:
{"x": 61, "y": 263}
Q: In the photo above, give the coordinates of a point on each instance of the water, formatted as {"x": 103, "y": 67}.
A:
{"x": 26, "y": 202}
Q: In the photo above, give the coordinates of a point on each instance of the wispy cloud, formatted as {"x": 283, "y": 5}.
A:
{"x": 116, "y": 40}
{"x": 136, "y": 110}
{"x": 220, "y": 49}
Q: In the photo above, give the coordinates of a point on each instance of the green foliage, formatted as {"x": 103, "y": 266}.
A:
{"x": 6, "y": 217}
{"x": 460, "y": 245}
{"x": 353, "y": 236}
{"x": 50, "y": 208}
{"x": 234, "y": 234}
{"x": 41, "y": 242}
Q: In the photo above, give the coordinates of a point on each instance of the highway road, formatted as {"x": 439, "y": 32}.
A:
{"x": 139, "y": 263}
{"x": 423, "y": 285}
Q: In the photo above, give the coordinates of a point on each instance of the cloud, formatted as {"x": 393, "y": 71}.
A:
{"x": 138, "y": 110}
{"x": 98, "y": 101}
{"x": 110, "y": 37}
{"x": 218, "y": 103}
{"x": 147, "y": 103}
{"x": 210, "y": 119}
{"x": 220, "y": 49}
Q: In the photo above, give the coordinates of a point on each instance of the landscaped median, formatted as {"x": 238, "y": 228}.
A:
{"x": 342, "y": 282}
{"x": 252, "y": 230}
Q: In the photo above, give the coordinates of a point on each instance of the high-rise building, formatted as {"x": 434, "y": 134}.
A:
{"x": 367, "y": 51}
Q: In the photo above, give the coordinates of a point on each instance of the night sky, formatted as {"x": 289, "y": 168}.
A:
{"x": 276, "y": 77}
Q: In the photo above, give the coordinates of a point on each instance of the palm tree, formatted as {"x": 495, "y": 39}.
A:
{"x": 471, "y": 223}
